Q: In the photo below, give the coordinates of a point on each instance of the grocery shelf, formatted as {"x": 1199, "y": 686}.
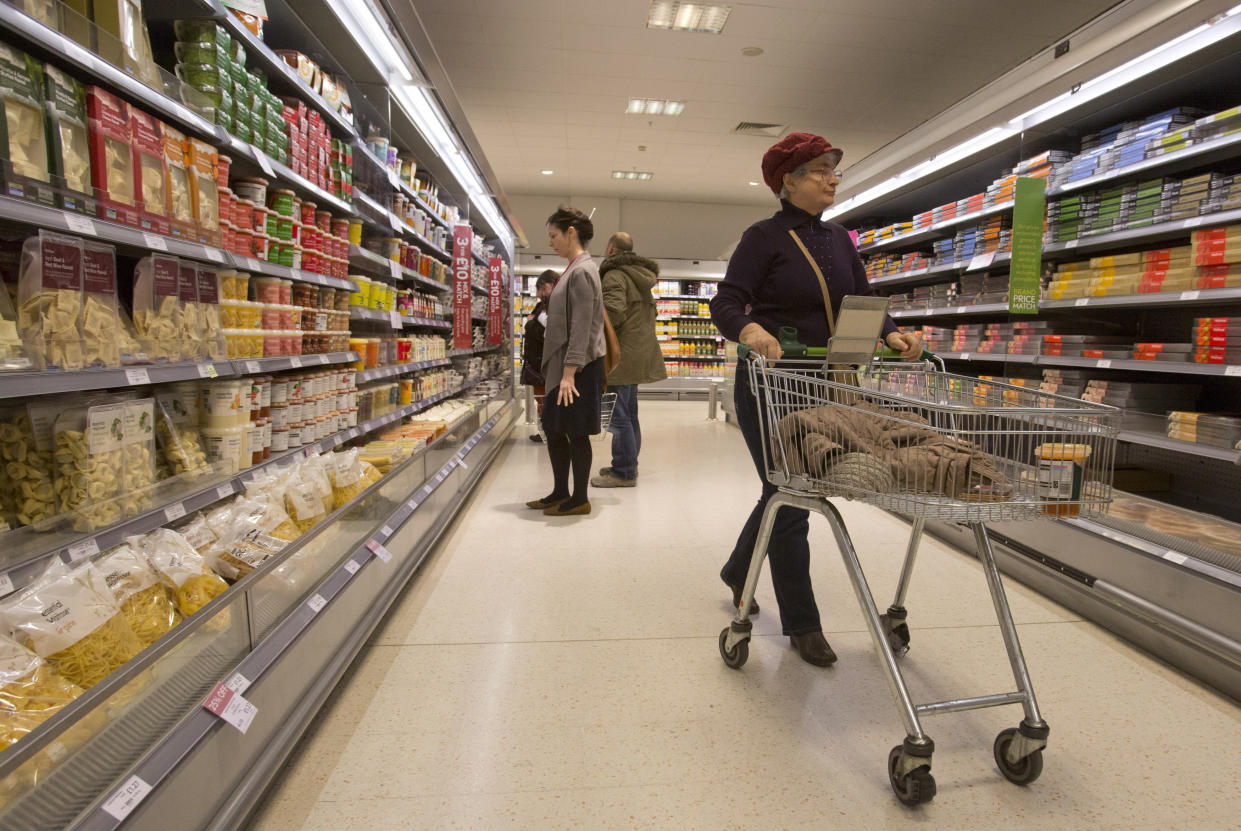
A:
{"x": 82, "y": 61}
{"x": 401, "y": 226}
{"x": 689, "y": 337}
{"x": 981, "y": 262}
{"x": 682, "y": 317}
{"x": 474, "y": 350}
{"x": 935, "y": 231}
{"x": 694, "y": 358}
{"x": 478, "y": 318}
{"x": 247, "y": 153}
{"x": 1200, "y": 297}
{"x": 429, "y": 322}
{"x": 273, "y": 66}
{"x": 23, "y": 384}
{"x": 1204, "y": 152}
{"x": 697, "y": 297}
{"x": 375, "y": 316}
{"x": 478, "y": 258}
{"x": 1172, "y": 367}
{"x": 1191, "y": 448}
{"x": 981, "y": 308}
{"x": 372, "y": 263}
{"x": 399, "y": 369}
{"x": 1149, "y": 233}
{"x": 988, "y": 356}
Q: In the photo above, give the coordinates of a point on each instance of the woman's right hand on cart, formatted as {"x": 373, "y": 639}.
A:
{"x": 761, "y": 341}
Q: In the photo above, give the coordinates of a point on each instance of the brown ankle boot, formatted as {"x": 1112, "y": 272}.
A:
{"x": 814, "y": 649}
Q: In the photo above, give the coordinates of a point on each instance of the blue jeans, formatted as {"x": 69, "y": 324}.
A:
{"x": 626, "y": 432}
{"x": 788, "y": 551}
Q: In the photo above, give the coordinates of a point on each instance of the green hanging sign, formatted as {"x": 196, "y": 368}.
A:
{"x": 1026, "y": 270}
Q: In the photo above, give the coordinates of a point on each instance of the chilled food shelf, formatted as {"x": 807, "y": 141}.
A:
{"x": 428, "y": 322}
{"x": 689, "y": 337}
{"x": 1175, "y": 368}
{"x": 949, "y": 311}
{"x": 1163, "y": 442}
{"x": 244, "y": 153}
{"x": 375, "y": 374}
{"x": 1221, "y": 148}
{"x": 1149, "y": 233}
{"x": 408, "y": 230}
{"x": 936, "y": 230}
{"x": 1202, "y": 297}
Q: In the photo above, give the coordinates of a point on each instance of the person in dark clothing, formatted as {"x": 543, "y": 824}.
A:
{"x": 768, "y": 284}
{"x": 532, "y": 341}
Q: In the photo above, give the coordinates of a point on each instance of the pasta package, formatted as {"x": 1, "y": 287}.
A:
{"x": 177, "y": 438}
{"x": 145, "y": 600}
{"x": 23, "y": 135}
{"x": 69, "y": 618}
{"x": 202, "y": 159}
{"x": 151, "y": 186}
{"x": 157, "y": 307}
{"x": 107, "y": 336}
{"x": 12, "y": 351}
{"x": 184, "y": 569}
{"x": 90, "y": 463}
{"x": 189, "y": 322}
{"x": 129, "y": 45}
{"x": 138, "y": 455}
{"x": 180, "y": 205}
{"x": 27, "y": 489}
{"x": 112, "y": 160}
{"x": 31, "y": 692}
{"x": 346, "y": 471}
{"x": 209, "y": 313}
{"x": 68, "y": 141}
{"x": 49, "y": 295}
{"x": 302, "y": 500}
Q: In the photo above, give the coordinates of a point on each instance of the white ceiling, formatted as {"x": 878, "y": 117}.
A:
{"x": 545, "y": 83}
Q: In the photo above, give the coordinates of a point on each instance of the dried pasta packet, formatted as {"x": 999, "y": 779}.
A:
{"x": 145, "y": 600}
{"x": 90, "y": 463}
{"x": 69, "y": 618}
{"x": 49, "y": 295}
{"x": 31, "y": 691}
{"x": 313, "y": 470}
{"x": 345, "y": 471}
{"x": 189, "y": 323}
{"x": 302, "y": 500}
{"x": 205, "y": 199}
{"x": 103, "y": 333}
{"x": 157, "y": 307}
{"x": 209, "y": 313}
{"x": 181, "y": 208}
{"x": 22, "y": 129}
{"x": 27, "y": 489}
{"x": 138, "y": 452}
{"x": 192, "y": 580}
{"x": 69, "y": 142}
{"x": 176, "y": 434}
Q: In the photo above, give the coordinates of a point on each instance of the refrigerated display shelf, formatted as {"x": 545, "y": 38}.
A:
{"x": 689, "y": 337}
{"x": 478, "y": 318}
{"x": 405, "y": 228}
{"x": 475, "y": 350}
{"x": 1204, "y": 152}
{"x": 1163, "y": 442}
{"x": 982, "y": 308}
{"x": 1149, "y": 233}
{"x": 695, "y": 358}
{"x": 1173, "y": 367}
{"x": 477, "y": 289}
{"x": 1162, "y": 298}
{"x": 248, "y": 154}
{"x": 27, "y": 384}
{"x": 935, "y": 231}
{"x": 697, "y": 297}
{"x": 428, "y": 322}
{"x": 399, "y": 184}
{"x": 399, "y": 369}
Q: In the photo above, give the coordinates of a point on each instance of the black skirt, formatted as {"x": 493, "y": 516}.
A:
{"x": 581, "y": 418}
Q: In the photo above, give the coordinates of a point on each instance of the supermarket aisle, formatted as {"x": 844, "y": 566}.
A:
{"x": 565, "y": 674}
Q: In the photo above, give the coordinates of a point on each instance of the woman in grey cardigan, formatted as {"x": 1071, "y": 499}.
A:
{"x": 573, "y": 350}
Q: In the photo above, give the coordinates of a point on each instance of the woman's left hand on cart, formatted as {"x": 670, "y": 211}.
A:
{"x": 909, "y": 344}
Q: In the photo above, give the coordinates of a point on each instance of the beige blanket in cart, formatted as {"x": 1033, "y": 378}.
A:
{"x": 919, "y": 459}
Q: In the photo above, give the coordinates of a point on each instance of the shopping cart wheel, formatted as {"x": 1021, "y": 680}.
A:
{"x": 915, "y": 787}
{"x": 896, "y": 630}
{"x": 1026, "y": 770}
{"x": 740, "y": 652}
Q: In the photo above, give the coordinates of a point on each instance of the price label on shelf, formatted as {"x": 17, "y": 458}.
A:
{"x": 174, "y": 512}
{"x": 137, "y": 377}
{"x": 228, "y": 704}
{"x": 386, "y": 531}
{"x": 323, "y": 359}
{"x": 981, "y": 261}
{"x": 1194, "y": 221}
{"x": 155, "y": 242}
{"x": 1082, "y": 301}
{"x": 224, "y": 491}
{"x": 82, "y": 550}
{"x": 394, "y": 269}
{"x": 253, "y": 367}
{"x": 238, "y": 683}
{"x": 1175, "y": 557}
{"x": 127, "y": 797}
{"x": 316, "y": 603}
{"x": 1232, "y": 370}
{"x": 1189, "y": 295}
{"x": 6, "y": 584}
{"x": 214, "y": 253}
{"x": 464, "y": 466}
{"x": 379, "y": 551}
{"x": 394, "y": 317}
{"x": 965, "y": 356}
{"x": 208, "y": 370}
{"x": 264, "y": 162}
{"x": 352, "y": 566}
{"x": 295, "y": 362}
{"x": 1104, "y": 364}
{"x": 79, "y": 224}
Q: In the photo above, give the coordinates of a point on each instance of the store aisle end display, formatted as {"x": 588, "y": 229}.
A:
{"x": 212, "y": 350}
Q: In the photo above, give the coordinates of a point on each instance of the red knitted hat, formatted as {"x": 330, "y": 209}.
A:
{"x": 791, "y": 152}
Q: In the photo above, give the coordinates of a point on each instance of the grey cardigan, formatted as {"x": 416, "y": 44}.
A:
{"x": 574, "y": 339}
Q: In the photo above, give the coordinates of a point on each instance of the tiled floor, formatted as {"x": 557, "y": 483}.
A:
{"x": 565, "y": 674}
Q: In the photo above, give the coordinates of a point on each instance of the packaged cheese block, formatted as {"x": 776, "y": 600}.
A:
{"x": 157, "y": 307}
{"x": 69, "y": 143}
{"x": 145, "y": 600}
{"x": 23, "y": 137}
{"x": 193, "y": 583}
{"x": 31, "y": 691}
{"x": 49, "y": 300}
{"x": 69, "y": 617}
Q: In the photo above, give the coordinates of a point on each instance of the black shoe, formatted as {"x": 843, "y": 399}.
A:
{"x": 814, "y": 649}
{"x": 736, "y": 590}
{"x": 536, "y": 438}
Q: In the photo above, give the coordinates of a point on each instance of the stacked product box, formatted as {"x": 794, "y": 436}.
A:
{"x": 1087, "y": 346}
{"x": 1217, "y": 340}
{"x": 1142, "y": 272}
{"x": 1170, "y": 352}
{"x": 1141, "y": 396}
{"x": 24, "y": 166}
{"x": 1214, "y": 429}
{"x": 978, "y": 289}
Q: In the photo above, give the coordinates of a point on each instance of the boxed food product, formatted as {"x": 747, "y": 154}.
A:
{"x": 112, "y": 160}
{"x": 68, "y": 142}
{"x": 151, "y": 185}
{"x": 106, "y": 337}
{"x": 122, "y": 39}
{"x": 180, "y": 201}
{"x": 201, "y": 159}
{"x": 23, "y": 134}
{"x": 49, "y": 300}
{"x": 157, "y": 313}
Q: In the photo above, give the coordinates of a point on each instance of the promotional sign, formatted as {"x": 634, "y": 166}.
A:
{"x": 495, "y": 323}
{"x": 462, "y": 303}
{"x": 1026, "y": 269}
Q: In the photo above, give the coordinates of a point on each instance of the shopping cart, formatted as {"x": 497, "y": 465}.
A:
{"x": 916, "y": 440}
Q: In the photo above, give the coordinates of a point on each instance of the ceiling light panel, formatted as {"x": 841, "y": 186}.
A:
{"x": 655, "y": 106}
{"x": 687, "y": 17}
{"x": 632, "y": 175}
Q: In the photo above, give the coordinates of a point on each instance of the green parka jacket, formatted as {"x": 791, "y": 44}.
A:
{"x": 627, "y": 282}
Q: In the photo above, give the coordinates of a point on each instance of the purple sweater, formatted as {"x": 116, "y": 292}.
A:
{"x": 769, "y": 274}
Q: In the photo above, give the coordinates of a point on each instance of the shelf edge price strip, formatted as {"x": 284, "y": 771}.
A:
{"x": 127, "y": 797}
{"x": 379, "y": 551}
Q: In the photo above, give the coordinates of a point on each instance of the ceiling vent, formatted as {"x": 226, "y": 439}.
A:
{"x": 756, "y": 128}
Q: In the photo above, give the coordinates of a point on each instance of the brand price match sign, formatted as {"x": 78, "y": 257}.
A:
{"x": 1026, "y": 268}
{"x": 495, "y": 322}
{"x": 462, "y": 331}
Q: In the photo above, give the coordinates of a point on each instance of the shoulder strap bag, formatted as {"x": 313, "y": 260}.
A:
{"x": 841, "y": 374}
{"x": 612, "y": 355}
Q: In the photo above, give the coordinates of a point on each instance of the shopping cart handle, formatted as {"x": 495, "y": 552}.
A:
{"x": 888, "y": 353}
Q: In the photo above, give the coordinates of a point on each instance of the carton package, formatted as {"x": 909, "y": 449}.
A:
{"x": 68, "y": 142}
{"x": 201, "y": 160}
{"x": 24, "y": 168}
{"x": 180, "y": 197}
{"x": 151, "y": 186}
{"x": 112, "y": 159}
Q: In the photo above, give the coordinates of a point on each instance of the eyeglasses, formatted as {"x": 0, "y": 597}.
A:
{"x": 825, "y": 173}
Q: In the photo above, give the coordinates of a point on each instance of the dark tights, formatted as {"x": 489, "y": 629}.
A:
{"x": 565, "y": 452}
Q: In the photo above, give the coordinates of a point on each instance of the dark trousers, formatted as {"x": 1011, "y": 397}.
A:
{"x": 788, "y": 552}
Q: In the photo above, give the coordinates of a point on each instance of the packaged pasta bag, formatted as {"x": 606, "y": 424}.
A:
{"x": 23, "y": 135}
{"x": 49, "y": 300}
{"x": 31, "y": 691}
{"x": 112, "y": 160}
{"x": 180, "y": 205}
{"x": 147, "y": 143}
{"x": 157, "y": 307}
{"x": 90, "y": 463}
{"x": 68, "y": 141}
{"x": 314, "y": 470}
{"x": 303, "y": 500}
{"x": 202, "y": 159}
{"x": 345, "y": 470}
{"x": 69, "y": 618}
{"x": 180, "y": 445}
{"x": 138, "y": 453}
{"x": 145, "y": 599}
{"x": 106, "y": 341}
{"x": 12, "y": 352}
{"x": 189, "y": 323}
{"x": 28, "y": 493}
{"x": 209, "y": 314}
{"x": 192, "y": 580}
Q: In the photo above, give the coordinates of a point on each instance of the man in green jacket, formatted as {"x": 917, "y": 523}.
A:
{"x": 627, "y": 282}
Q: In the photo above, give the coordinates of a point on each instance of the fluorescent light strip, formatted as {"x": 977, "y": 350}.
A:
{"x": 365, "y": 25}
{"x": 639, "y": 175}
{"x": 1185, "y": 44}
{"x": 687, "y": 17}
{"x": 655, "y": 106}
